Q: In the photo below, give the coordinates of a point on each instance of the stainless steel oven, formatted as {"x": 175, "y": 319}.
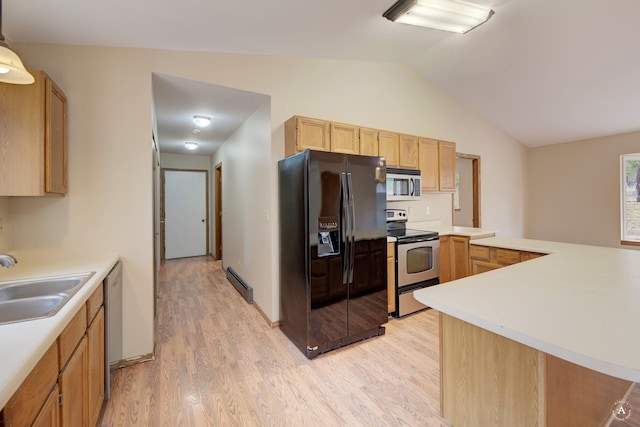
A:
{"x": 417, "y": 261}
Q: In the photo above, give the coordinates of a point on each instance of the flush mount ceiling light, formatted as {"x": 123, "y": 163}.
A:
{"x": 201, "y": 121}
{"x": 11, "y": 68}
{"x": 448, "y": 15}
{"x": 190, "y": 145}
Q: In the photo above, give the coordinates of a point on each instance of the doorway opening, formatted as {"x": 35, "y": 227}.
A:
{"x": 466, "y": 200}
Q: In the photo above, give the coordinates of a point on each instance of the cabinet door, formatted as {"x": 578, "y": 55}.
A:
{"x": 429, "y": 164}
{"x": 388, "y": 147}
{"x": 459, "y": 257}
{"x": 21, "y": 138}
{"x": 447, "y": 158}
{"x": 368, "y": 142}
{"x": 33, "y": 146}
{"x": 55, "y": 139}
{"x": 49, "y": 415}
{"x": 95, "y": 356}
{"x": 445, "y": 259}
{"x": 27, "y": 401}
{"x": 313, "y": 134}
{"x": 344, "y": 139}
{"x": 73, "y": 388}
{"x": 408, "y": 146}
{"x": 391, "y": 278}
{"x": 478, "y": 266}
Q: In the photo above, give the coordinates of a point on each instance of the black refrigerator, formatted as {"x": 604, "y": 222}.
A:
{"x": 333, "y": 259}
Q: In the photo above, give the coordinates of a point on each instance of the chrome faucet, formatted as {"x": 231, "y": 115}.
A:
{"x": 7, "y": 260}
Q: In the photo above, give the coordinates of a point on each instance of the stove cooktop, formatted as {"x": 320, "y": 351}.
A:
{"x": 409, "y": 233}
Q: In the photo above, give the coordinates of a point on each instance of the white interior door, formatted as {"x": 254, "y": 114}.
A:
{"x": 185, "y": 207}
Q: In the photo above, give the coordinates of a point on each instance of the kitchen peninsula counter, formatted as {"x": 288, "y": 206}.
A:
{"x": 574, "y": 310}
{"x": 452, "y": 230}
{"x": 22, "y": 344}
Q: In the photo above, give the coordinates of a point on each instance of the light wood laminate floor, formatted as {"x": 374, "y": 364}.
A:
{"x": 219, "y": 364}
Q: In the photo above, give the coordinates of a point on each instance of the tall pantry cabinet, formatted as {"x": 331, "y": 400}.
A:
{"x": 33, "y": 138}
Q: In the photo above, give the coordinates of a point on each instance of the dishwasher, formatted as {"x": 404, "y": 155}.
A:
{"x": 112, "y": 288}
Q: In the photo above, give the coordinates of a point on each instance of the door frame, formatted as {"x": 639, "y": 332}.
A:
{"x": 475, "y": 172}
{"x": 217, "y": 248}
{"x": 162, "y": 210}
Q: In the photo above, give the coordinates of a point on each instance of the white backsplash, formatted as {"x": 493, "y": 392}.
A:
{"x": 432, "y": 207}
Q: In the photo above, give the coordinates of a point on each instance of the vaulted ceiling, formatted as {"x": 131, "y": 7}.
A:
{"x": 544, "y": 71}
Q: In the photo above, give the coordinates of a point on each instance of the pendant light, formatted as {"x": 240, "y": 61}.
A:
{"x": 11, "y": 68}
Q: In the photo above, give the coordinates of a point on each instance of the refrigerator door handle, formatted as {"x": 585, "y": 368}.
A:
{"x": 352, "y": 232}
{"x": 345, "y": 227}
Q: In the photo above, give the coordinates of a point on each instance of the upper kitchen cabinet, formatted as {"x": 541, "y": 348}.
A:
{"x": 389, "y": 147}
{"x": 33, "y": 138}
{"x": 408, "y": 151}
{"x": 437, "y": 161}
{"x": 344, "y": 139}
{"x": 301, "y": 133}
{"x": 447, "y": 162}
{"x": 368, "y": 142}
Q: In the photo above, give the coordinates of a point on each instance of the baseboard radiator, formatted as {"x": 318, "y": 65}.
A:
{"x": 241, "y": 286}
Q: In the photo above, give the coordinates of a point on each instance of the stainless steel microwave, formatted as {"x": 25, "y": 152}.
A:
{"x": 403, "y": 184}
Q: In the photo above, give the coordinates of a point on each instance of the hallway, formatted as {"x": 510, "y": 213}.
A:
{"x": 219, "y": 364}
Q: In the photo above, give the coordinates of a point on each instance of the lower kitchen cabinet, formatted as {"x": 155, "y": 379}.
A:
{"x": 95, "y": 361}
{"x": 49, "y": 415}
{"x": 454, "y": 258}
{"x": 66, "y": 387}
{"x": 391, "y": 277}
{"x": 487, "y": 258}
{"x": 73, "y": 384}
{"x": 25, "y": 404}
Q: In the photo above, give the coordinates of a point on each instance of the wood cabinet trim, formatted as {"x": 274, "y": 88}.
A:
{"x": 94, "y": 303}
{"x": 71, "y": 335}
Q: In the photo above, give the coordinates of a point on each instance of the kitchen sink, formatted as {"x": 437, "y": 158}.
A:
{"x": 30, "y": 299}
{"x": 30, "y": 308}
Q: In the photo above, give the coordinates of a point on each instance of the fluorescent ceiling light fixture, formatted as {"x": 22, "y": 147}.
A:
{"x": 11, "y": 68}
{"x": 190, "y": 145}
{"x": 201, "y": 121}
{"x": 449, "y": 15}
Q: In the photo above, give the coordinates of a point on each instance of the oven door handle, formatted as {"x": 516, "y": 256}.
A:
{"x": 346, "y": 227}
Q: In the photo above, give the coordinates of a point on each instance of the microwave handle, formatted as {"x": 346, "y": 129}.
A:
{"x": 411, "y": 187}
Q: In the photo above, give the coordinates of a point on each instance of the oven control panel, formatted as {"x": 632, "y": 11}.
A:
{"x": 396, "y": 215}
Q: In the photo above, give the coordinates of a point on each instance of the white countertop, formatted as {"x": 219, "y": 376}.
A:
{"x": 24, "y": 343}
{"x": 452, "y": 230}
{"x": 579, "y": 303}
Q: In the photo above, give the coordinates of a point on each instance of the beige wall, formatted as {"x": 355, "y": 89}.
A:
{"x": 573, "y": 192}
{"x": 109, "y": 205}
{"x": 5, "y": 237}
